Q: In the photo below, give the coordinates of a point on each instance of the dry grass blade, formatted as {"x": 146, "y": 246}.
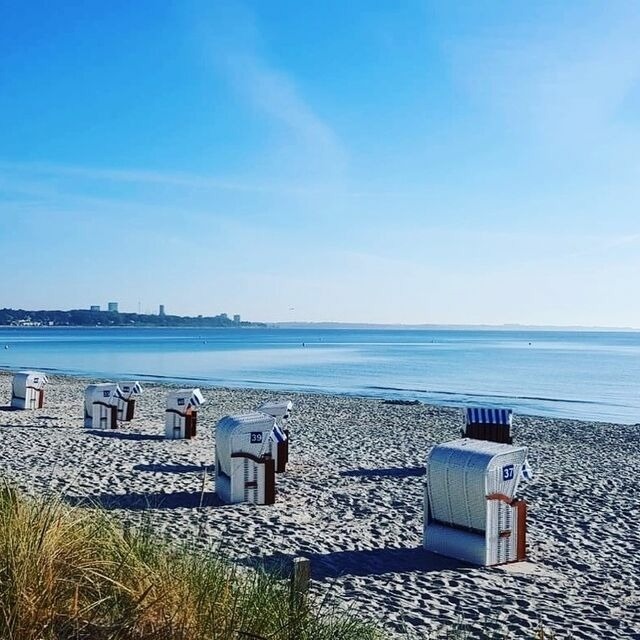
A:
{"x": 71, "y": 573}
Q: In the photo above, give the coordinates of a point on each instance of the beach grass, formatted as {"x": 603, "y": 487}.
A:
{"x": 77, "y": 573}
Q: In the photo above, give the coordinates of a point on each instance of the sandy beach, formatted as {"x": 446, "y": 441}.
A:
{"x": 351, "y": 501}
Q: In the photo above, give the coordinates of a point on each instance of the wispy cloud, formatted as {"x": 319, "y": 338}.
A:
{"x": 275, "y": 93}
{"x": 303, "y": 142}
{"x": 601, "y": 246}
{"x": 35, "y": 177}
{"x": 306, "y": 160}
{"x": 42, "y": 170}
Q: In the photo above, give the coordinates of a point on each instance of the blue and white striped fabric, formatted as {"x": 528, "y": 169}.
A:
{"x": 278, "y": 434}
{"x": 196, "y": 398}
{"x": 487, "y": 415}
{"x": 131, "y": 388}
{"x": 526, "y": 473}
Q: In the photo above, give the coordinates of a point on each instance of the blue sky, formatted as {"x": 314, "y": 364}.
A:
{"x": 366, "y": 161}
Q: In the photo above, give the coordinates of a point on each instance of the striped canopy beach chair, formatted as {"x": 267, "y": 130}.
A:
{"x": 245, "y": 467}
{"x": 181, "y": 414}
{"x": 488, "y": 423}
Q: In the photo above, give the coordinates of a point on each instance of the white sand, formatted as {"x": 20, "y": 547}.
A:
{"x": 351, "y": 500}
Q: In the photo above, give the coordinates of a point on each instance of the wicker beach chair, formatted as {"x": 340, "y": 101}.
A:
{"x": 471, "y": 511}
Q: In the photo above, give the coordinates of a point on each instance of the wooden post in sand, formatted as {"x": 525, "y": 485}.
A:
{"x": 300, "y": 576}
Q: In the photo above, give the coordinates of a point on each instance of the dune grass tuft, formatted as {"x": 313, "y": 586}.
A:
{"x": 70, "y": 573}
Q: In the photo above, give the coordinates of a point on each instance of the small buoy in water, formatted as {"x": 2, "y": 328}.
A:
{"x": 6, "y": 346}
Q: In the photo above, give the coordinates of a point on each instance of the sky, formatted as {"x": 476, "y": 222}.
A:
{"x": 369, "y": 161}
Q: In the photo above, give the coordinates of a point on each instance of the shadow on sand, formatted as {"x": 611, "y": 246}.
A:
{"x": 32, "y": 426}
{"x": 144, "y": 501}
{"x": 173, "y": 468}
{"x": 368, "y": 562}
{"x": 28, "y": 426}
{"x": 124, "y": 436}
{"x": 406, "y": 472}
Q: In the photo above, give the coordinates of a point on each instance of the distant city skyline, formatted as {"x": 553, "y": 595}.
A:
{"x": 354, "y": 325}
{"x": 400, "y": 163}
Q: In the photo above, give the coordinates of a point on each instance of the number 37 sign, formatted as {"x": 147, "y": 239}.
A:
{"x": 507, "y": 472}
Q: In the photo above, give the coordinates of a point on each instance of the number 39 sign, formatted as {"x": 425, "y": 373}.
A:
{"x": 256, "y": 437}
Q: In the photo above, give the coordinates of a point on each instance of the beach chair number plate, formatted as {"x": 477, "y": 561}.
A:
{"x": 256, "y": 437}
{"x": 507, "y": 472}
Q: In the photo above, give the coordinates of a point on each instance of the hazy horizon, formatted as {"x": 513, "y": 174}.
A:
{"x": 408, "y": 163}
{"x": 515, "y": 326}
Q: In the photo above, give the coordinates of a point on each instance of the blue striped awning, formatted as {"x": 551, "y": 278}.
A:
{"x": 196, "y": 398}
{"x": 488, "y": 415}
{"x": 134, "y": 388}
{"x": 278, "y": 434}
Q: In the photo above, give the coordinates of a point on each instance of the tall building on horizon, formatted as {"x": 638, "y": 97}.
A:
{"x": 113, "y": 306}
{"x": 161, "y": 312}
{"x": 236, "y": 319}
{"x": 94, "y": 307}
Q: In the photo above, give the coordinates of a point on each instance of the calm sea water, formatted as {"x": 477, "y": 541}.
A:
{"x": 588, "y": 375}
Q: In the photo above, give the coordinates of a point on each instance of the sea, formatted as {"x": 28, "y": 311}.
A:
{"x": 587, "y": 375}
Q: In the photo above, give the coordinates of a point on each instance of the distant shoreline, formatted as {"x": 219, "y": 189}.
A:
{"x": 444, "y": 327}
{"x": 133, "y": 326}
{"x": 340, "y": 327}
{"x": 113, "y": 318}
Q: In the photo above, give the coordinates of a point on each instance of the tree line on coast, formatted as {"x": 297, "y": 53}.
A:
{"x": 88, "y": 318}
